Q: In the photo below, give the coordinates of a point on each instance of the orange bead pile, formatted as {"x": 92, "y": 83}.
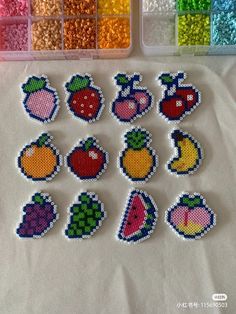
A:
{"x": 79, "y": 7}
{"x": 80, "y": 24}
{"x": 80, "y": 34}
{"x": 46, "y": 35}
{"x": 46, "y": 7}
{"x": 113, "y": 33}
{"x": 114, "y": 7}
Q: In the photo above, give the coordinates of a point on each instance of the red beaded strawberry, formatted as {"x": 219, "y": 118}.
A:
{"x": 85, "y": 100}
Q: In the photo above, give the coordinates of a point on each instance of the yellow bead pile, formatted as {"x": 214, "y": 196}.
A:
{"x": 113, "y": 7}
{"x": 194, "y": 29}
{"x": 113, "y": 33}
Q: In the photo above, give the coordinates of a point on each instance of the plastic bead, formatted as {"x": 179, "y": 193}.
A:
{"x": 13, "y": 7}
{"x": 159, "y": 30}
{"x": 81, "y": 7}
{"x": 159, "y": 5}
{"x": 224, "y": 28}
{"x": 113, "y": 33}
{"x": 193, "y": 30}
{"x": 46, "y": 7}
{"x": 194, "y": 5}
{"x": 46, "y": 35}
{"x": 113, "y": 7}
{"x": 226, "y": 5}
{"x": 80, "y": 34}
{"x": 14, "y": 37}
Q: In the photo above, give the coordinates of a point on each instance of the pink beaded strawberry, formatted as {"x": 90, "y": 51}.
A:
{"x": 132, "y": 101}
{"x": 40, "y": 101}
{"x": 85, "y": 100}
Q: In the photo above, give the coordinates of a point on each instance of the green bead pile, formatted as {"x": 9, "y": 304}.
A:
{"x": 86, "y": 217}
{"x": 194, "y": 30}
{"x": 194, "y": 5}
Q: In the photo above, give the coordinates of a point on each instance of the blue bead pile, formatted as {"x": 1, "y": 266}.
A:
{"x": 224, "y": 28}
{"x": 227, "y": 5}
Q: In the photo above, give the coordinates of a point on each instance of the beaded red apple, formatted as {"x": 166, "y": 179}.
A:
{"x": 87, "y": 160}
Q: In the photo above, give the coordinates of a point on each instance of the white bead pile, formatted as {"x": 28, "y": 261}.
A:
{"x": 159, "y": 5}
{"x": 159, "y": 31}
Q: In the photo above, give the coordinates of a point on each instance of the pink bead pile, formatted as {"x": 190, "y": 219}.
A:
{"x": 13, "y": 7}
{"x": 14, "y": 37}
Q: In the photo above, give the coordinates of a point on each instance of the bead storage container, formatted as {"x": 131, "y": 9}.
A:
{"x": 195, "y": 27}
{"x": 65, "y": 29}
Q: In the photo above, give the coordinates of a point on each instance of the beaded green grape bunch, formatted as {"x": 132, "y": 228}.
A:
{"x": 86, "y": 216}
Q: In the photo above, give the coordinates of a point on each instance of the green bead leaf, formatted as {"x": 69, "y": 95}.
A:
{"x": 122, "y": 79}
{"x": 77, "y": 84}
{"x": 191, "y": 202}
{"x": 88, "y": 143}
{"x": 33, "y": 85}
{"x": 38, "y": 199}
{"x": 166, "y": 79}
{"x": 137, "y": 139}
{"x": 43, "y": 139}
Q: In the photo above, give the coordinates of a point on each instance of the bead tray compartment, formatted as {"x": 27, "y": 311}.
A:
{"x": 195, "y": 27}
{"x": 65, "y": 29}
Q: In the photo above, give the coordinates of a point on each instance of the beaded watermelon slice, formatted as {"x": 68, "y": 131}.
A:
{"x": 139, "y": 218}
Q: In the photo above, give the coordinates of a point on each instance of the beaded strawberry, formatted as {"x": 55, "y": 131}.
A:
{"x": 41, "y": 101}
{"x": 85, "y": 100}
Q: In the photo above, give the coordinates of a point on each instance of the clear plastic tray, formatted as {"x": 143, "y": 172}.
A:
{"x": 170, "y": 27}
{"x": 38, "y": 34}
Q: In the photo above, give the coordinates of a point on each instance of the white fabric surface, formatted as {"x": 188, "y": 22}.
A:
{"x": 100, "y": 275}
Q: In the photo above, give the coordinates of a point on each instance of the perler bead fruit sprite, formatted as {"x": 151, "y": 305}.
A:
{"x": 138, "y": 161}
{"x": 178, "y": 100}
{"x": 86, "y": 216}
{"x": 190, "y": 217}
{"x": 132, "y": 101}
{"x": 40, "y": 160}
{"x": 139, "y": 218}
{"x": 85, "y": 100}
{"x": 40, "y": 100}
{"x": 188, "y": 154}
{"x": 87, "y": 160}
{"x": 38, "y": 216}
